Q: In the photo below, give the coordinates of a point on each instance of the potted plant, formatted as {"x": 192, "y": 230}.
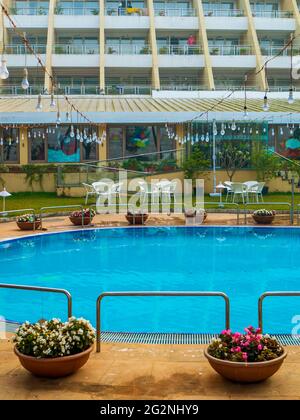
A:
{"x": 28, "y": 222}
{"x": 53, "y": 348}
{"x": 136, "y": 217}
{"x": 248, "y": 357}
{"x": 263, "y": 216}
{"x": 163, "y": 50}
{"x": 82, "y": 217}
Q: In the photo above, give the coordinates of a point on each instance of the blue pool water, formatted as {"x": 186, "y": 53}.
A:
{"x": 243, "y": 262}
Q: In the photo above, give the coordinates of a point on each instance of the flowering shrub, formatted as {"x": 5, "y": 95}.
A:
{"x": 264, "y": 212}
{"x": 29, "y": 218}
{"x": 86, "y": 213}
{"x": 251, "y": 346}
{"x": 54, "y": 338}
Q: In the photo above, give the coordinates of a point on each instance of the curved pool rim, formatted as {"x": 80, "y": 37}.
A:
{"x": 160, "y": 338}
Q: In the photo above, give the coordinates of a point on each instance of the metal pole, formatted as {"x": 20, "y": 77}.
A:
{"x": 292, "y": 201}
{"x": 214, "y": 159}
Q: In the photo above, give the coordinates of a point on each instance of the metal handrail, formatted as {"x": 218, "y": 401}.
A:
{"x": 186, "y": 49}
{"x": 174, "y": 12}
{"x": 266, "y": 294}
{"x": 129, "y": 49}
{"x": 272, "y": 203}
{"x": 230, "y": 49}
{"x": 156, "y": 293}
{"x": 41, "y": 289}
{"x": 221, "y": 204}
{"x": 60, "y": 207}
{"x": 75, "y": 49}
{"x": 4, "y": 213}
{"x": 20, "y": 49}
{"x": 297, "y": 211}
{"x": 272, "y": 14}
{"x": 227, "y": 13}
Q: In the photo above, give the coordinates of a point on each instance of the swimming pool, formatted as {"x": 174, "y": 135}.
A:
{"x": 243, "y": 262}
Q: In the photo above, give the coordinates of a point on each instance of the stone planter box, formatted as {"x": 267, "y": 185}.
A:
{"x": 29, "y": 225}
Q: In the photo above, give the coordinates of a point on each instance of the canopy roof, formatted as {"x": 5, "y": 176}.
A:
{"x": 131, "y": 109}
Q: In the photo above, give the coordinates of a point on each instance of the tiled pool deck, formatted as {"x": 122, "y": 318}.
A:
{"x": 141, "y": 371}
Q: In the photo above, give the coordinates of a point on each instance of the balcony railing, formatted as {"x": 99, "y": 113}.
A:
{"x": 80, "y": 10}
{"x": 129, "y": 11}
{"x": 234, "y": 85}
{"x": 119, "y": 89}
{"x": 20, "y": 49}
{"x": 181, "y": 87}
{"x": 65, "y": 89}
{"x": 283, "y": 88}
{"x": 270, "y": 51}
{"x": 179, "y": 50}
{"x": 272, "y": 14}
{"x": 230, "y": 50}
{"x": 127, "y": 49}
{"x": 18, "y": 90}
{"x": 75, "y": 49}
{"x": 174, "y": 12}
{"x": 227, "y": 13}
{"x": 35, "y": 11}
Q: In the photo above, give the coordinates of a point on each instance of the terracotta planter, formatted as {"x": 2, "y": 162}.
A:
{"x": 77, "y": 221}
{"x": 245, "y": 372}
{"x": 137, "y": 219}
{"x": 263, "y": 220}
{"x": 29, "y": 225}
{"x": 56, "y": 367}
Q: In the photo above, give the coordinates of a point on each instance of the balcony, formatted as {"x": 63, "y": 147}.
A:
{"x": 229, "y": 56}
{"x": 82, "y": 89}
{"x": 119, "y": 89}
{"x": 120, "y": 19}
{"x": 75, "y": 49}
{"x": 129, "y": 11}
{"x": 29, "y": 11}
{"x": 28, "y": 17}
{"x": 127, "y": 49}
{"x": 172, "y": 56}
{"x": 76, "y": 17}
{"x": 115, "y": 56}
{"x": 76, "y": 11}
{"x": 177, "y": 12}
{"x": 224, "y": 13}
{"x": 178, "y": 18}
{"x": 18, "y": 90}
{"x": 230, "y": 49}
{"x": 20, "y": 49}
{"x": 264, "y": 20}
{"x": 274, "y": 14}
{"x": 181, "y": 87}
{"x": 62, "y": 52}
{"x": 16, "y": 55}
{"x": 283, "y": 61}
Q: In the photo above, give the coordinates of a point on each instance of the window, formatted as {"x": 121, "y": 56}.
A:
{"x": 9, "y": 145}
{"x": 115, "y": 142}
{"x": 37, "y": 145}
{"x": 62, "y": 144}
{"x": 140, "y": 139}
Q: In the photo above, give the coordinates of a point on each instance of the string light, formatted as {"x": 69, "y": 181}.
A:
{"x": 39, "y": 103}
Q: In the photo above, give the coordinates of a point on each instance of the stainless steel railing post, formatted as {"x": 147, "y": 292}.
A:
{"x": 266, "y": 294}
{"x": 156, "y": 293}
{"x": 41, "y": 289}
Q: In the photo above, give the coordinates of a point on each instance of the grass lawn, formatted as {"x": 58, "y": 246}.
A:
{"x": 43, "y": 199}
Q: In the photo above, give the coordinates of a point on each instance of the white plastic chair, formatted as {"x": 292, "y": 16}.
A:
{"x": 147, "y": 190}
{"x": 251, "y": 189}
{"x": 168, "y": 189}
{"x": 228, "y": 189}
{"x": 260, "y": 186}
{"x": 239, "y": 190}
{"x": 89, "y": 191}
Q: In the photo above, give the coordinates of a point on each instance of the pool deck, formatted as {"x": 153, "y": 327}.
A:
{"x": 61, "y": 223}
{"x": 140, "y": 371}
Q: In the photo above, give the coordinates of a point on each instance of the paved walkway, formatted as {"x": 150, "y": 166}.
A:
{"x": 138, "y": 371}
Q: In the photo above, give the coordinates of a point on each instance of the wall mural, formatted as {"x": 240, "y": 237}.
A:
{"x": 63, "y": 148}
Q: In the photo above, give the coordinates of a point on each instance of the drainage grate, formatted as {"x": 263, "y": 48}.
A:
{"x": 164, "y": 338}
{"x": 169, "y": 338}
